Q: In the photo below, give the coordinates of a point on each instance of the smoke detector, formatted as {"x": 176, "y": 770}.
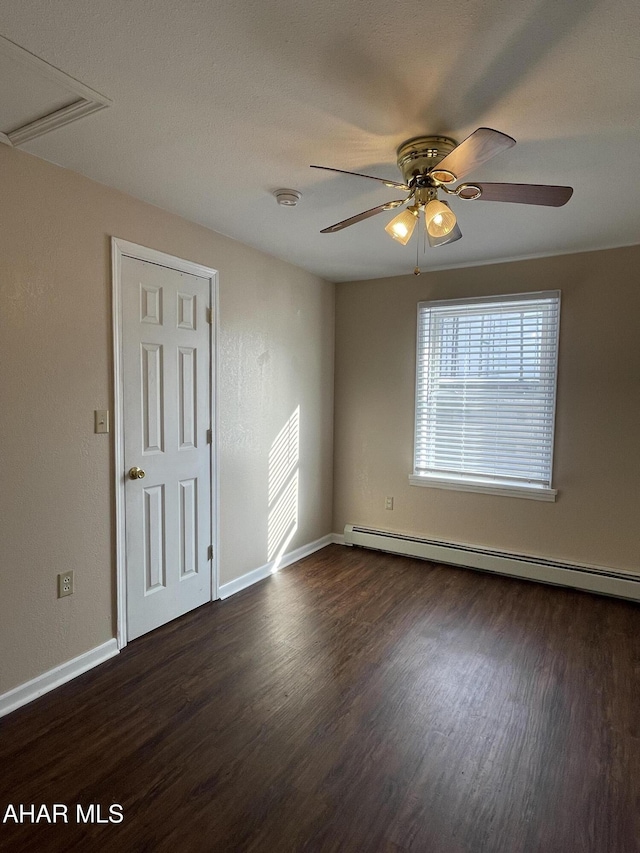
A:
{"x": 288, "y": 198}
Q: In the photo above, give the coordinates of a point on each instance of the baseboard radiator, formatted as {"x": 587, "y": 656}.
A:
{"x": 590, "y": 578}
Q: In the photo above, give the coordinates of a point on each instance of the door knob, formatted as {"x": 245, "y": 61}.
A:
{"x": 136, "y": 473}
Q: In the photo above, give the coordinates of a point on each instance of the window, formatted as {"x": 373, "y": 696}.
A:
{"x": 485, "y": 394}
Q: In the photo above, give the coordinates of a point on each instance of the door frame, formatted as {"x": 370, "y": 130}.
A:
{"x": 119, "y": 250}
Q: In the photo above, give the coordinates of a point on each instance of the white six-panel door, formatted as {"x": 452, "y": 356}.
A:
{"x": 166, "y": 385}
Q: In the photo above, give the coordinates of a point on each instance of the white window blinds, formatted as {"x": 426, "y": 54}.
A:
{"x": 486, "y": 389}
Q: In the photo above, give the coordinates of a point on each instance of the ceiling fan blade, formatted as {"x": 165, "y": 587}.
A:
{"x": 395, "y": 184}
{"x": 545, "y": 194}
{"x": 365, "y": 215}
{"x": 483, "y": 144}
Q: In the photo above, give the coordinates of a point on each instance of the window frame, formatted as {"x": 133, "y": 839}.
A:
{"x": 469, "y": 482}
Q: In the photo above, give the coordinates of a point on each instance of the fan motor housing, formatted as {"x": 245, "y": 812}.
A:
{"x": 419, "y": 155}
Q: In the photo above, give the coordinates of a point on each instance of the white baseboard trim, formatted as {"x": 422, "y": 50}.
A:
{"x": 599, "y": 579}
{"x": 30, "y": 690}
{"x": 42, "y": 684}
{"x": 231, "y": 587}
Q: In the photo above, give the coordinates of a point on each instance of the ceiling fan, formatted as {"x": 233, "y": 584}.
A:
{"x": 432, "y": 163}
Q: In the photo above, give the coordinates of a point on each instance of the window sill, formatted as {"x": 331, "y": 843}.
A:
{"x": 536, "y": 493}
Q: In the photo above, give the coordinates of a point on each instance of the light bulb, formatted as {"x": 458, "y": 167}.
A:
{"x": 403, "y": 225}
{"x": 439, "y": 218}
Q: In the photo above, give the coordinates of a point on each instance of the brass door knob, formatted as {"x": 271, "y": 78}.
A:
{"x": 136, "y": 473}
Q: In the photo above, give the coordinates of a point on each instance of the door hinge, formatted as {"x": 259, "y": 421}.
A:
{"x": 210, "y": 552}
{"x": 209, "y": 436}
{"x": 209, "y": 316}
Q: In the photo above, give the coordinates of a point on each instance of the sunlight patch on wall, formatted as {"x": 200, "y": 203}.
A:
{"x": 283, "y": 488}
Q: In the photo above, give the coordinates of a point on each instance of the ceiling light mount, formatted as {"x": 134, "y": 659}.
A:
{"x": 287, "y": 198}
{"x": 420, "y": 155}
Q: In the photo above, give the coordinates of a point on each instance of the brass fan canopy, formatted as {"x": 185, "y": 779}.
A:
{"x": 419, "y": 155}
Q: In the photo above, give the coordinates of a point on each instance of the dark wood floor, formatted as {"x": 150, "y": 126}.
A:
{"x": 354, "y": 702}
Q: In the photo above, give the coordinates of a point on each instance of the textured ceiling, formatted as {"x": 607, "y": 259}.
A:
{"x": 215, "y": 105}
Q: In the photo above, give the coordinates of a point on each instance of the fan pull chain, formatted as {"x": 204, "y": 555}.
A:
{"x": 417, "y": 269}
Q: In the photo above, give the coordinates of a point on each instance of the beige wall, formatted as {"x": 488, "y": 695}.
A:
{"x": 596, "y": 517}
{"x": 57, "y": 496}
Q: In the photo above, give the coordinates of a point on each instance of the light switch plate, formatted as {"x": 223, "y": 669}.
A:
{"x": 101, "y": 423}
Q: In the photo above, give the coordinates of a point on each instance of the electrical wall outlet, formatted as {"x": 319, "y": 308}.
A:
{"x": 388, "y": 503}
{"x": 65, "y": 584}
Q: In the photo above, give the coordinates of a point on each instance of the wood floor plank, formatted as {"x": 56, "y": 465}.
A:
{"x": 354, "y": 702}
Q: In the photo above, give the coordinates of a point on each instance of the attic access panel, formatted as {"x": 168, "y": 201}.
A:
{"x": 36, "y": 98}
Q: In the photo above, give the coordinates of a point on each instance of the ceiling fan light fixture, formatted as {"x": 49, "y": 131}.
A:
{"x": 430, "y": 164}
{"x": 403, "y": 225}
{"x": 439, "y": 219}
{"x": 451, "y": 237}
